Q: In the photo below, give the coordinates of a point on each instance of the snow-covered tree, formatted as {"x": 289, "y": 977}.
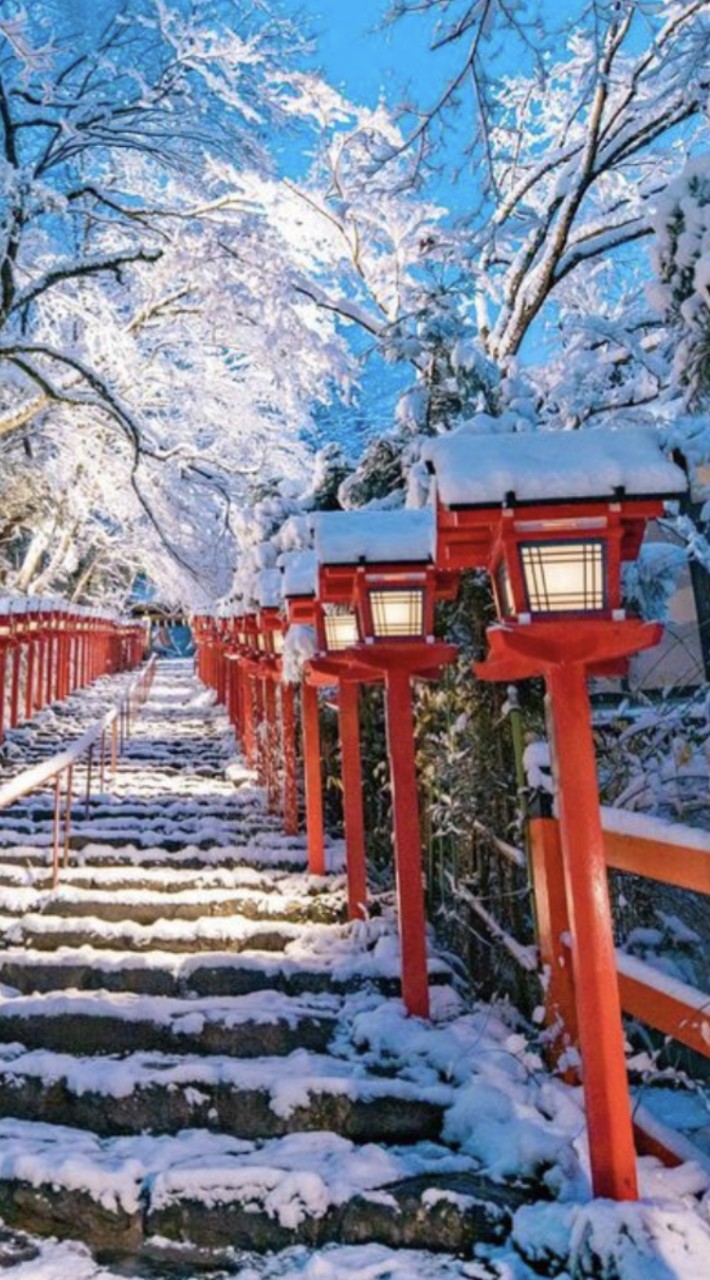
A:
{"x": 132, "y": 269}
{"x": 681, "y": 222}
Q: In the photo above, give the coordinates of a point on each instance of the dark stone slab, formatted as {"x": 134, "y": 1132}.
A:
{"x": 56, "y": 1211}
{"x": 245, "y": 1113}
{"x": 79, "y": 1033}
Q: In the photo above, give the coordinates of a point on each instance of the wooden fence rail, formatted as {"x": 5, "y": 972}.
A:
{"x": 663, "y": 851}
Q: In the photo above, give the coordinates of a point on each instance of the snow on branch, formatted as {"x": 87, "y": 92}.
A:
{"x": 94, "y": 265}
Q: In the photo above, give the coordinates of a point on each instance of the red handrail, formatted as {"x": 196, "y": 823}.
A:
{"x": 118, "y": 721}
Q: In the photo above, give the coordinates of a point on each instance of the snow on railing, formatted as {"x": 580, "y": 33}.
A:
{"x": 117, "y": 721}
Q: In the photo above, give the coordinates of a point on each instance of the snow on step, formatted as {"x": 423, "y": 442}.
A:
{"x": 260, "y": 849}
{"x": 214, "y": 973}
{"x": 222, "y": 933}
{"x": 147, "y": 907}
{"x": 116, "y": 1022}
{"x": 168, "y": 880}
{"x": 211, "y": 1188}
{"x": 262, "y": 1098}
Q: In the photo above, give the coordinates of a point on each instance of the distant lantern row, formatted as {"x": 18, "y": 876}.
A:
{"x": 551, "y": 517}
{"x": 49, "y": 647}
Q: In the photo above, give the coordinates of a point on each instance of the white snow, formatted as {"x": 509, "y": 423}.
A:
{"x": 481, "y": 470}
{"x": 300, "y": 570}
{"x": 375, "y": 537}
{"x": 648, "y": 827}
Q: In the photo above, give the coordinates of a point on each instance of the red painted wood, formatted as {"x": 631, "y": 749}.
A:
{"x": 288, "y": 731}
{"x": 352, "y": 799}
{"x": 30, "y": 670}
{"x": 15, "y": 684}
{"x": 407, "y": 842}
{"x": 271, "y": 746}
{"x": 601, "y": 1037}
{"x": 552, "y": 919}
{"x": 313, "y": 780}
{"x": 671, "y": 863}
{"x": 3, "y": 687}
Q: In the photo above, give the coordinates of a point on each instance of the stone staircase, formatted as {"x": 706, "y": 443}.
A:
{"x": 189, "y": 1064}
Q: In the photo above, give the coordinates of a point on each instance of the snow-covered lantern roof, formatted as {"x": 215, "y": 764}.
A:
{"x": 299, "y": 570}
{"x": 551, "y": 515}
{"x": 5, "y": 617}
{"x": 239, "y": 626}
{"x": 377, "y": 578}
{"x": 270, "y": 635}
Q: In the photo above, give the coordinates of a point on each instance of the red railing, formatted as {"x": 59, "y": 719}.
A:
{"x": 105, "y": 740}
{"x": 49, "y": 648}
{"x": 662, "y": 851}
{"x": 260, "y": 705}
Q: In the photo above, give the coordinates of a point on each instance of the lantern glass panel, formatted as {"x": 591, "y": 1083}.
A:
{"x": 341, "y": 630}
{"x": 564, "y": 577}
{"x": 278, "y": 638}
{"x": 397, "y": 613}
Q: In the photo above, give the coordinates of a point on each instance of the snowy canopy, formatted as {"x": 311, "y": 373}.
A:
{"x": 349, "y": 537}
{"x": 479, "y": 470}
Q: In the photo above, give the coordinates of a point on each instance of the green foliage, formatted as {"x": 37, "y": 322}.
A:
{"x": 378, "y": 474}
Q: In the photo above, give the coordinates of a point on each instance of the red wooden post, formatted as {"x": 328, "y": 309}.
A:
{"x": 4, "y": 646}
{"x": 270, "y": 738}
{"x": 313, "y": 780}
{"x": 248, "y": 715}
{"x": 407, "y": 842}
{"x": 15, "y": 680}
{"x": 32, "y": 624}
{"x": 552, "y": 918}
{"x": 257, "y": 685}
{"x": 606, "y": 1094}
{"x": 352, "y": 798}
{"x": 41, "y": 664}
{"x": 29, "y": 677}
{"x": 288, "y": 733}
{"x": 235, "y": 704}
{"x": 51, "y": 659}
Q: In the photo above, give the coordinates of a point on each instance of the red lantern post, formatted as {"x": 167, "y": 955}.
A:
{"x": 552, "y": 516}
{"x": 377, "y": 588}
{"x": 298, "y": 588}
{"x": 17, "y": 634}
{"x": 5, "y": 651}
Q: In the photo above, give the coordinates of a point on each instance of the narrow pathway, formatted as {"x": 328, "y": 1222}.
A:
{"x": 205, "y": 1070}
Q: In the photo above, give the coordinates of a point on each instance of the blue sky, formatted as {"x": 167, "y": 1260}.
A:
{"x": 367, "y": 60}
{"x": 358, "y": 57}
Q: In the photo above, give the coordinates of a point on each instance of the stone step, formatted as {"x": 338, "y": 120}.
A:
{"x": 249, "y": 1026}
{"x": 217, "y": 974}
{"x": 40, "y": 806}
{"x": 168, "y": 878}
{"x": 169, "y": 842}
{"x": 207, "y": 1191}
{"x": 220, "y": 933}
{"x": 254, "y": 1099}
{"x": 269, "y": 850}
{"x": 145, "y": 907}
